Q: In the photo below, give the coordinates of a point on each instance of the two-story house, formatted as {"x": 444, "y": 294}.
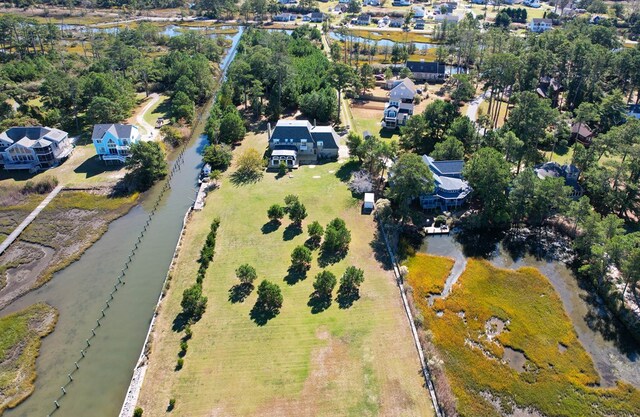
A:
{"x": 296, "y": 142}
{"x": 540, "y": 25}
{"x": 33, "y": 148}
{"x": 451, "y": 190}
{"x": 400, "y": 105}
{"x": 113, "y": 141}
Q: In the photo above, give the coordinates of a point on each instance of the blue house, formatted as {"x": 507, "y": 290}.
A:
{"x": 112, "y": 141}
{"x": 451, "y": 189}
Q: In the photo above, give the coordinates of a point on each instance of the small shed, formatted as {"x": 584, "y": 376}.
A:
{"x": 369, "y": 201}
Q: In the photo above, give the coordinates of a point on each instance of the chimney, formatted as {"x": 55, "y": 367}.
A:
{"x": 268, "y": 131}
{"x": 314, "y": 123}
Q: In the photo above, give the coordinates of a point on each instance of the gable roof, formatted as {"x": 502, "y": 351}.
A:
{"x": 581, "y": 129}
{"x": 428, "y": 67}
{"x": 537, "y": 20}
{"x": 118, "y": 130}
{"x": 405, "y": 86}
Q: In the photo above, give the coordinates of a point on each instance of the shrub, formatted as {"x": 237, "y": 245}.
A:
{"x": 336, "y": 236}
{"x": 179, "y": 366}
{"x": 351, "y": 280}
{"x": 44, "y": 185}
{"x": 325, "y": 283}
{"x": 275, "y": 212}
{"x": 315, "y": 231}
{"x": 137, "y": 412}
{"x": 172, "y": 136}
{"x": 282, "y": 169}
{"x": 297, "y": 212}
{"x": 172, "y": 404}
{"x": 301, "y": 258}
{"x": 188, "y": 333}
{"x": 246, "y": 274}
{"x": 269, "y": 297}
{"x": 218, "y": 156}
{"x": 184, "y": 346}
{"x": 193, "y": 302}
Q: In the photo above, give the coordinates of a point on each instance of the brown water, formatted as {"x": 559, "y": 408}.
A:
{"x": 79, "y": 293}
{"x": 615, "y": 354}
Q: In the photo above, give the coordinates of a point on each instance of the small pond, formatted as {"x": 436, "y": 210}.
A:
{"x": 615, "y": 354}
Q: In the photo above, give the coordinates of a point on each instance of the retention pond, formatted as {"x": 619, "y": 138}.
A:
{"x": 79, "y": 293}
{"x": 614, "y": 353}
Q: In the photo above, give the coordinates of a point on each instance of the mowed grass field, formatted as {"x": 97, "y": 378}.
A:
{"x": 556, "y": 376}
{"x": 358, "y": 361}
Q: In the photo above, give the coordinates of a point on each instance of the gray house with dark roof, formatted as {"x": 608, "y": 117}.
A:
{"x": 296, "y": 142}
{"x": 422, "y": 70}
{"x": 33, "y": 148}
{"x": 451, "y": 190}
{"x": 113, "y": 141}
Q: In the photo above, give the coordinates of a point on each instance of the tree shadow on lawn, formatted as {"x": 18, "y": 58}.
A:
{"x": 380, "y": 252}
{"x": 295, "y": 275}
{"x": 348, "y": 168}
{"x": 270, "y": 227}
{"x": 312, "y": 243}
{"x": 327, "y": 257}
{"x": 179, "y": 323}
{"x": 346, "y": 298}
{"x": 239, "y": 178}
{"x": 239, "y": 292}
{"x": 319, "y": 302}
{"x": 261, "y": 315}
{"x": 291, "y": 231}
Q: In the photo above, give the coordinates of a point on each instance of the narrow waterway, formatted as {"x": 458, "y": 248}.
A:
{"x": 79, "y": 293}
{"x": 614, "y": 353}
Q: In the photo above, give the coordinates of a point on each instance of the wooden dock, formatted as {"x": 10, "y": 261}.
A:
{"x": 439, "y": 230}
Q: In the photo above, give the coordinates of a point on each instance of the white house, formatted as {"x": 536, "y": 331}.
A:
{"x": 113, "y": 141}
{"x": 532, "y": 3}
{"x": 402, "y": 3}
{"x": 33, "y": 148}
{"x": 374, "y": 3}
{"x": 540, "y": 25}
{"x": 400, "y": 105}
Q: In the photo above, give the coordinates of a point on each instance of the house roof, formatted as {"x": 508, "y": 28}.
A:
{"x": 428, "y": 67}
{"x": 317, "y": 14}
{"x": 117, "y": 130}
{"x": 405, "y": 88}
{"x": 541, "y": 20}
{"x": 284, "y": 152}
{"x": 581, "y": 129}
{"x": 302, "y": 129}
{"x": 555, "y": 170}
{"x": 364, "y": 16}
{"x": 444, "y": 167}
{"x": 33, "y": 135}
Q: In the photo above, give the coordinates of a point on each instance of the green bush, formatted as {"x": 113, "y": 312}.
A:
{"x": 179, "y": 366}
{"x": 137, "y": 412}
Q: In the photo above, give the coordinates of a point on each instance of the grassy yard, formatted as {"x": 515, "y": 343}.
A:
{"x": 504, "y": 335}
{"x": 81, "y": 168}
{"x": 19, "y": 347}
{"x": 356, "y": 361}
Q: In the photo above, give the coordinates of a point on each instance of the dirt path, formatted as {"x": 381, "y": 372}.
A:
{"x": 152, "y": 132}
{"x": 14, "y": 235}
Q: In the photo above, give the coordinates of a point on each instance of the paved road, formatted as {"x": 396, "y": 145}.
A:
{"x": 472, "y": 110}
{"x": 152, "y": 132}
{"x": 14, "y": 235}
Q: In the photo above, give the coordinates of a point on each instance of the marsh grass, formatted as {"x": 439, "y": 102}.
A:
{"x": 556, "y": 381}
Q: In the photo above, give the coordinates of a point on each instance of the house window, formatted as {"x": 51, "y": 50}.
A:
{"x": 276, "y": 141}
{"x": 98, "y": 141}
{"x": 303, "y": 145}
{"x": 320, "y": 144}
{"x": 125, "y": 142}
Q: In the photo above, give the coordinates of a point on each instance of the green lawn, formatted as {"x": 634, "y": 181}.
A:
{"x": 19, "y": 347}
{"x": 556, "y": 376}
{"x": 357, "y": 361}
